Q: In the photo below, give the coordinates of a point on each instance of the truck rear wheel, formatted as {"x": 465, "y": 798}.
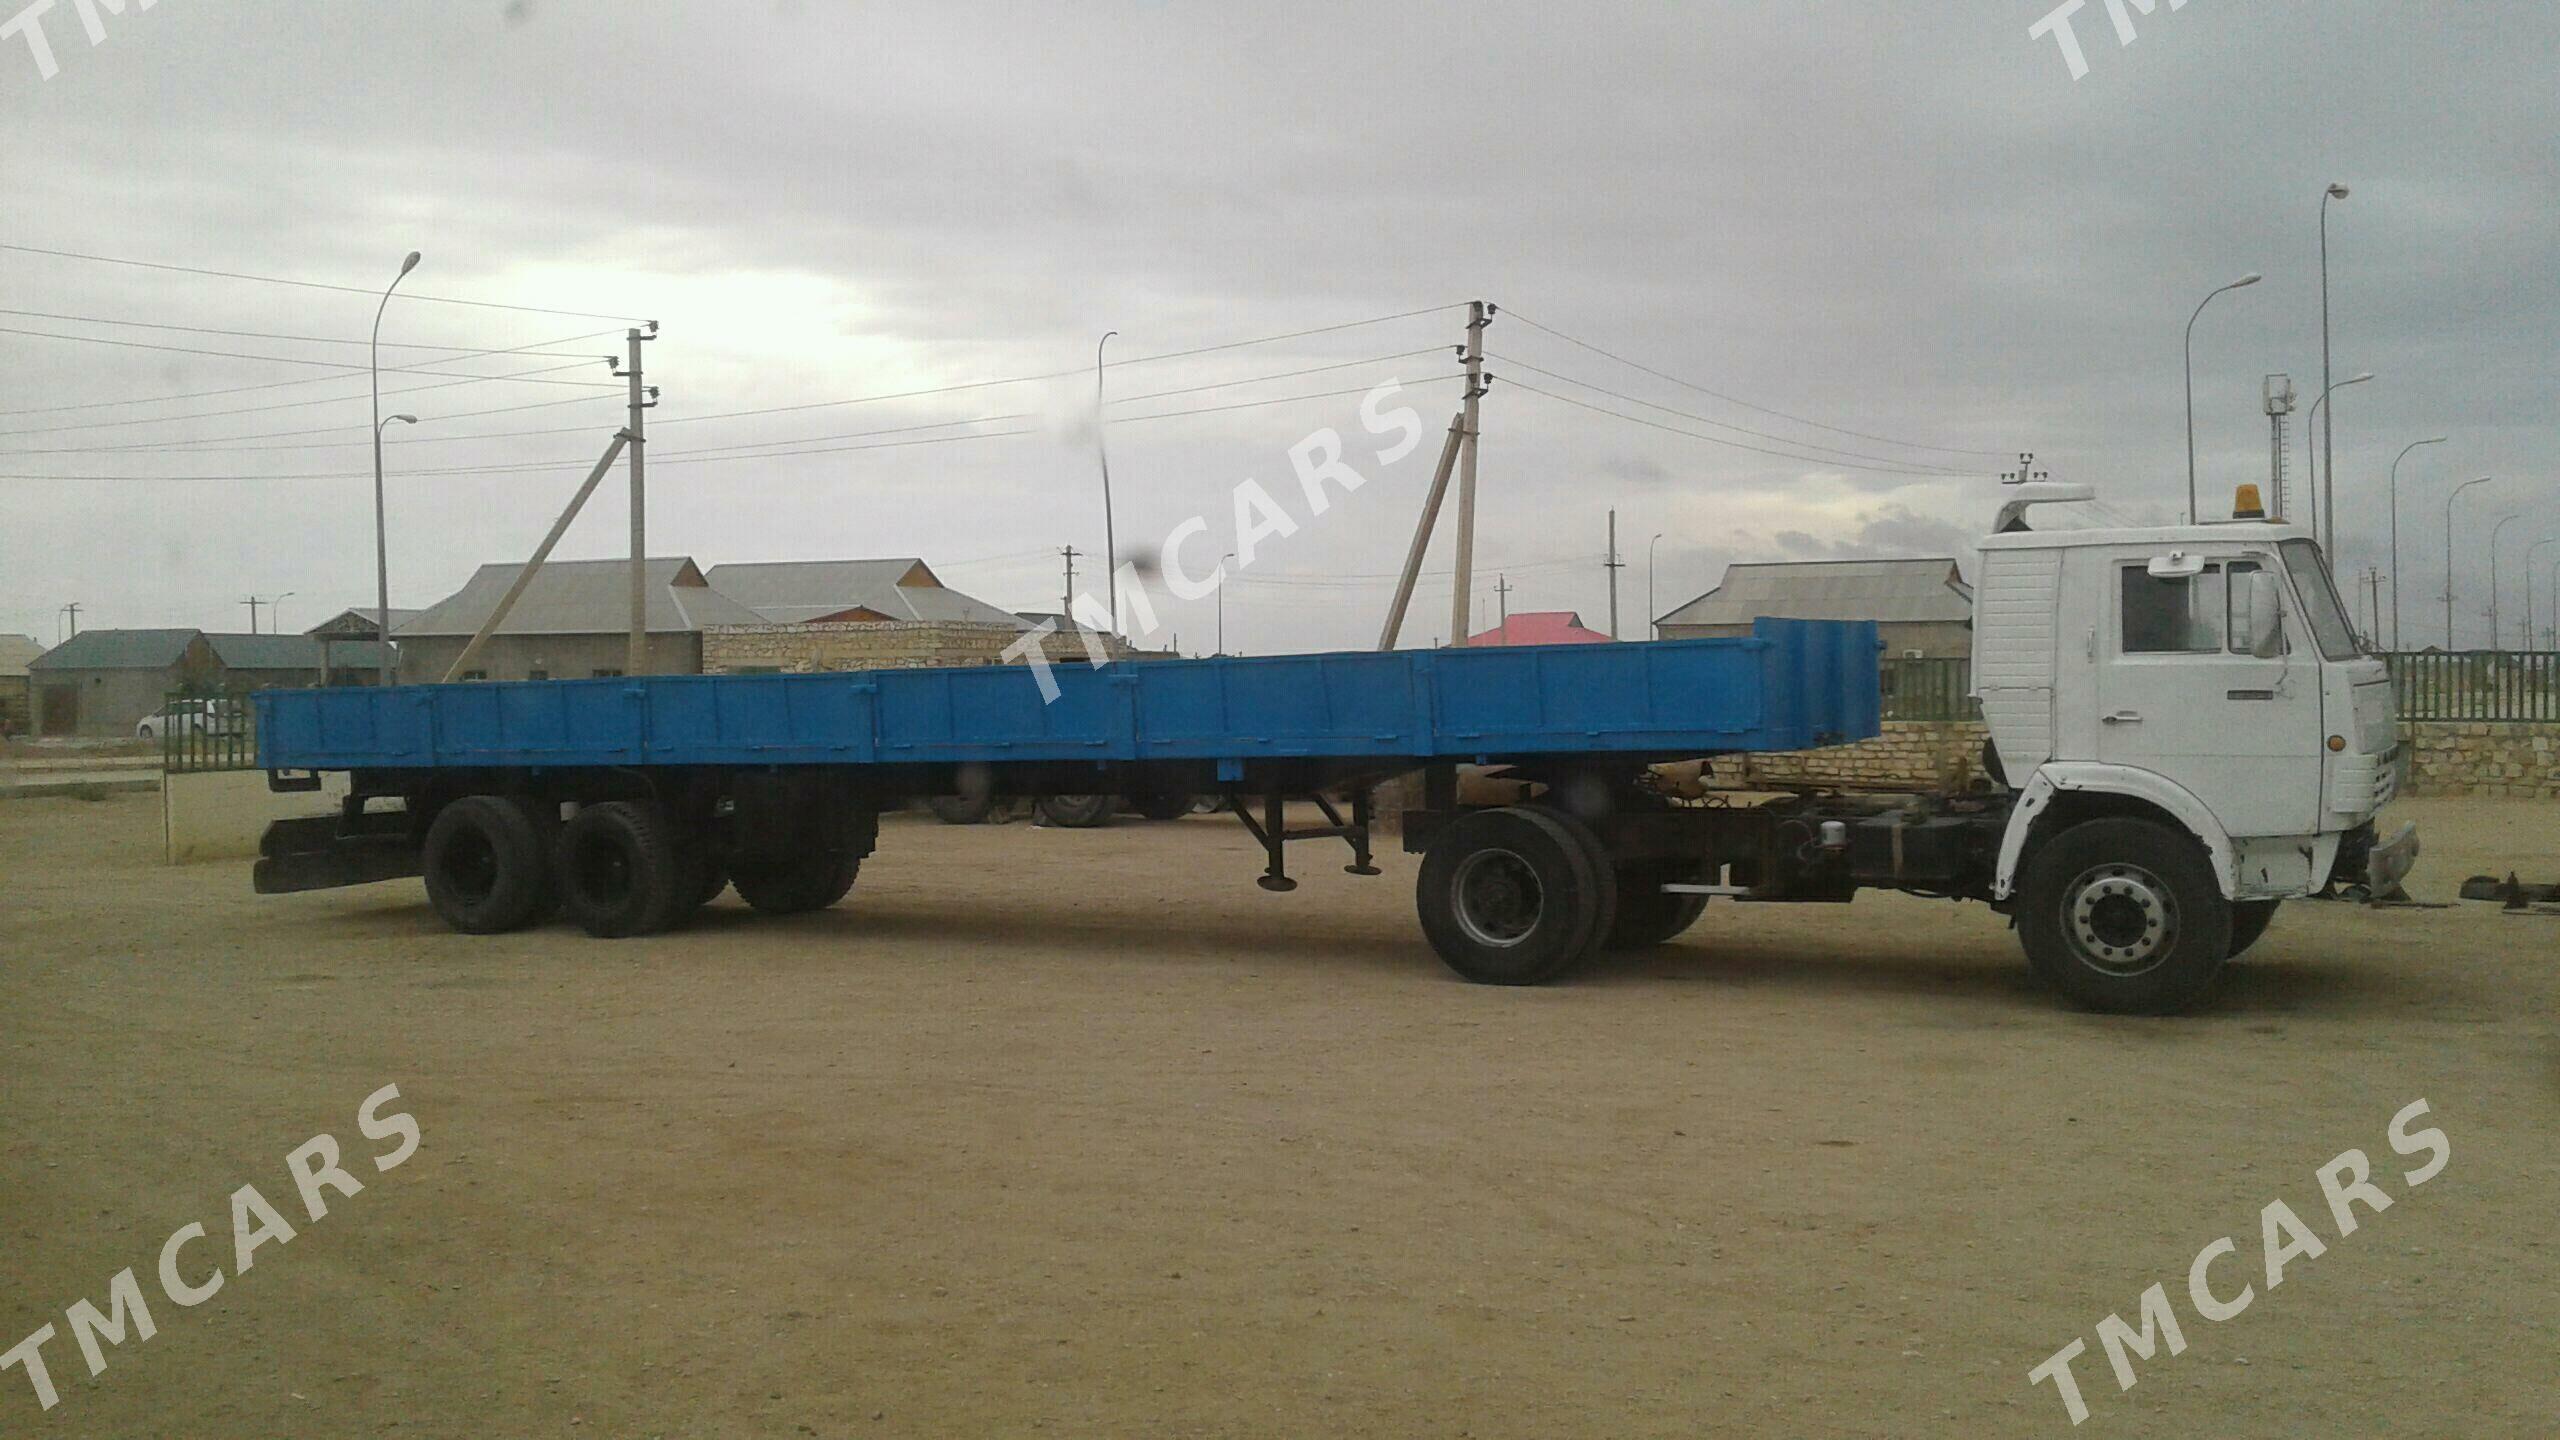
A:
{"x": 625, "y": 869}
{"x": 961, "y": 809}
{"x": 1511, "y": 896}
{"x": 1646, "y": 916}
{"x": 809, "y": 881}
{"x": 1077, "y": 812}
{"x": 2125, "y": 916}
{"x": 487, "y": 866}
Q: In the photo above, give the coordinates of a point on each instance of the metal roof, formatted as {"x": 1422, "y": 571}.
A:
{"x": 265, "y": 652}
{"x": 117, "y": 650}
{"x": 1541, "y": 627}
{"x": 15, "y": 652}
{"x": 360, "y": 620}
{"x": 794, "y": 592}
{"x": 583, "y": 597}
{"x": 1883, "y": 590}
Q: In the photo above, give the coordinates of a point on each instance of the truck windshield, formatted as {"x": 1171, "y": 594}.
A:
{"x": 2327, "y": 617}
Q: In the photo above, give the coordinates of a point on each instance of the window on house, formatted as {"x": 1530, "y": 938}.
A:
{"x": 537, "y": 673}
{"x": 2174, "y": 614}
{"x": 475, "y": 674}
{"x": 608, "y": 672}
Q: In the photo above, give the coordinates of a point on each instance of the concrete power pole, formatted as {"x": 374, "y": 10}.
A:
{"x": 1502, "y": 597}
{"x": 1067, "y": 607}
{"x": 636, "y": 659}
{"x": 1479, "y": 315}
{"x": 1614, "y": 565}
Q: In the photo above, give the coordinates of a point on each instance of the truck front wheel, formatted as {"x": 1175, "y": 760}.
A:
{"x": 1647, "y": 916}
{"x": 1511, "y": 896}
{"x": 2124, "y": 916}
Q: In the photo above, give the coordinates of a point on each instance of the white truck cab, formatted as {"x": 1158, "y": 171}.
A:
{"x": 2199, "y": 676}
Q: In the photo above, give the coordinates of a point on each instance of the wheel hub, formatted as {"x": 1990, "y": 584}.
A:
{"x": 2122, "y": 918}
{"x": 1499, "y": 898}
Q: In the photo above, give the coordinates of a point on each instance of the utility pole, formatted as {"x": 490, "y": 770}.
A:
{"x": 1067, "y": 608}
{"x": 1614, "y": 565}
{"x": 1502, "y": 597}
{"x": 2026, "y": 470}
{"x": 643, "y": 397}
{"x": 72, "y": 612}
{"x": 1479, "y": 315}
{"x": 1102, "y": 455}
{"x": 252, "y": 602}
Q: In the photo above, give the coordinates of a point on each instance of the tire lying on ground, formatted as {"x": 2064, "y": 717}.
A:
{"x": 626, "y": 868}
{"x": 2125, "y": 916}
{"x": 811, "y": 880}
{"x": 1646, "y": 916}
{"x": 1512, "y": 896}
{"x": 1077, "y": 812}
{"x": 487, "y": 865}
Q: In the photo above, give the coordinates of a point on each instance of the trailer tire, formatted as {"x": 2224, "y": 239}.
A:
{"x": 487, "y": 867}
{"x": 1510, "y": 896}
{"x": 625, "y": 870}
{"x": 2249, "y": 921}
{"x": 810, "y": 881}
{"x": 2125, "y": 916}
{"x": 1077, "y": 812}
{"x": 1164, "y": 804}
{"x": 1646, "y": 916}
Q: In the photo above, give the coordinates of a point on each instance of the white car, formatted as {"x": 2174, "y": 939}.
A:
{"x": 191, "y": 717}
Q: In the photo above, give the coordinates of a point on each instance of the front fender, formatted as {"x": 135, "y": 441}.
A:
{"x": 2085, "y": 777}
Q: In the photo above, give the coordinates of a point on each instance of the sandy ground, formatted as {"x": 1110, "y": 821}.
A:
{"x": 1081, "y": 1133}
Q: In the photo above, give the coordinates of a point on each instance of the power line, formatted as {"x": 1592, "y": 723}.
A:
{"x": 189, "y": 447}
{"x": 463, "y": 350}
{"x": 1718, "y": 439}
{"x": 339, "y": 365}
{"x": 607, "y": 393}
{"x": 315, "y": 284}
{"x": 1745, "y": 404}
{"x": 534, "y": 348}
{"x": 1727, "y": 425}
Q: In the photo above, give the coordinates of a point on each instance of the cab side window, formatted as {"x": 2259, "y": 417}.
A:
{"x": 2174, "y": 615}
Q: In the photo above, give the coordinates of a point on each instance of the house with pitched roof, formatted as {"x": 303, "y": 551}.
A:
{"x": 1923, "y": 609}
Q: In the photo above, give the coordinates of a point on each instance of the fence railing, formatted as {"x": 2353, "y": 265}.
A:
{"x": 2496, "y": 685}
{"x": 206, "y": 732}
{"x": 1932, "y": 689}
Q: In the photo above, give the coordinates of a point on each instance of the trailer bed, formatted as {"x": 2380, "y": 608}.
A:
{"x": 1789, "y": 685}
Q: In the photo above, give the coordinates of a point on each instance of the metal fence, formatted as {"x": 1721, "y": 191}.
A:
{"x": 2497, "y": 685}
{"x": 1933, "y": 689}
{"x": 206, "y": 732}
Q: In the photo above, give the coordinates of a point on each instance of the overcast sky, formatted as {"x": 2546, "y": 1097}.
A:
{"x": 1907, "y": 223}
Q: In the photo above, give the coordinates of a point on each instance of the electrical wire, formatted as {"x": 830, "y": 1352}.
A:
{"x": 1827, "y": 450}
{"x": 255, "y": 334}
{"x": 1745, "y": 404}
{"x": 1718, "y": 439}
{"x": 611, "y": 393}
{"x": 314, "y": 284}
{"x": 526, "y": 349}
{"x": 339, "y": 365}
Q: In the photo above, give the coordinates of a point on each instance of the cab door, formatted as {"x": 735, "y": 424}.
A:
{"x": 2180, "y": 694}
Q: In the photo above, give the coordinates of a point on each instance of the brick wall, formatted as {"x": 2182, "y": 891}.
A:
{"x": 893, "y": 645}
{"x": 1910, "y": 754}
{"x": 2458, "y": 757}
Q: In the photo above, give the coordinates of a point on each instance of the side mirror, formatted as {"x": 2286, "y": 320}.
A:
{"x": 2265, "y": 627}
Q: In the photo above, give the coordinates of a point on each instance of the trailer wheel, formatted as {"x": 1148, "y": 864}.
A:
{"x": 2125, "y": 916}
{"x": 1510, "y": 897}
{"x": 624, "y": 869}
{"x": 486, "y": 866}
{"x": 1646, "y": 916}
{"x": 2249, "y": 921}
{"x": 961, "y": 809}
{"x": 1165, "y": 804}
{"x": 813, "y": 880}
{"x": 1077, "y": 812}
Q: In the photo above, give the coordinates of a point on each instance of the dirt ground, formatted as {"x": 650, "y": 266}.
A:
{"x": 1082, "y": 1133}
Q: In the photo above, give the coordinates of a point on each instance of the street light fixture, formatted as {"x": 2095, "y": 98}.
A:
{"x": 2528, "y": 585}
{"x": 1102, "y": 453}
{"x": 2320, "y": 486}
{"x": 2328, "y": 433}
{"x": 1652, "y": 616}
{"x": 2448, "y": 556}
{"x": 275, "y": 613}
{"x": 381, "y": 528}
{"x": 2395, "y": 532}
{"x": 2252, "y": 278}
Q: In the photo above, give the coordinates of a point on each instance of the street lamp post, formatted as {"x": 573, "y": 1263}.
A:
{"x": 1652, "y": 616}
{"x": 381, "y": 528}
{"x": 2448, "y": 556}
{"x": 2321, "y": 497}
{"x": 2328, "y": 446}
{"x": 275, "y": 613}
{"x": 2528, "y": 584}
{"x": 1222, "y": 600}
{"x": 2494, "y": 531}
{"x": 1102, "y": 453}
{"x": 2252, "y": 278}
{"x": 2395, "y": 533}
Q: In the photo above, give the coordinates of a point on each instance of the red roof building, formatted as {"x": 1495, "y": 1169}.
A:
{"x": 1540, "y": 627}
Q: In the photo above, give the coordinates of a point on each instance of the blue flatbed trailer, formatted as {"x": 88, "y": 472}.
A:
{"x": 628, "y": 801}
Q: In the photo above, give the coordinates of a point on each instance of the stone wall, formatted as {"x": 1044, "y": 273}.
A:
{"x": 2472, "y": 757}
{"x": 876, "y": 645}
{"x": 1910, "y": 754}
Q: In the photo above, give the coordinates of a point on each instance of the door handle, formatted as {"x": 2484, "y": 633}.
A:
{"x": 2121, "y": 717}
